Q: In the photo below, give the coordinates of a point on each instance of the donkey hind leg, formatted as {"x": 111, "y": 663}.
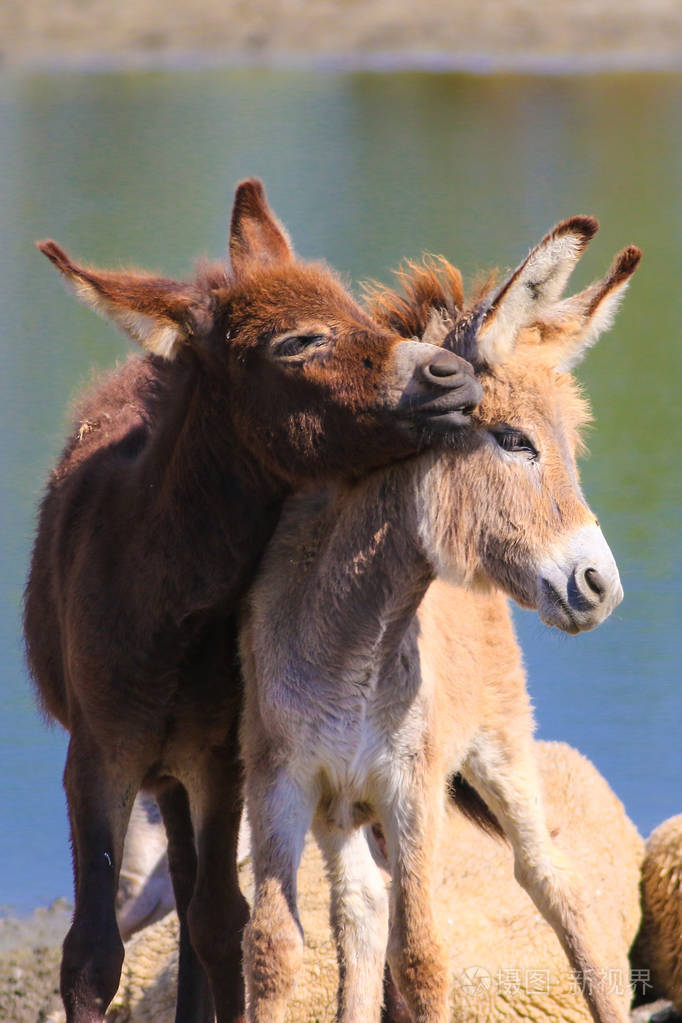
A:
{"x": 280, "y": 813}
{"x": 194, "y": 1003}
{"x": 505, "y": 775}
{"x": 359, "y": 919}
{"x": 418, "y": 962}
{"x": 100, "y": 798}
{"x": 218, "y": 911}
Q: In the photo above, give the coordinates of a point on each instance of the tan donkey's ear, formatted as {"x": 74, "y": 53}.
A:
{"x": 158, "y": 313}
{"x": 592, "y": 311}
{"x": 533, "y": 288}
{"x": 256, "y": 236}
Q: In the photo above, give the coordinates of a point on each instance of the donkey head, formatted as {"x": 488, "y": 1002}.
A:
{"x": 295, "y": 370}
{"x": 509, "y": 507}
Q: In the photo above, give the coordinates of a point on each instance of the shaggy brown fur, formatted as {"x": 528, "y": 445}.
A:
{"x": 258, "y": 379}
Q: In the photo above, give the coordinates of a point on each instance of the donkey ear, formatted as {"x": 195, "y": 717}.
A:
{"x": 592, "y": 311}
{"x": 158, "y": 313}
{"x": 534, "y": 287}
{"x": 256, "y": 236}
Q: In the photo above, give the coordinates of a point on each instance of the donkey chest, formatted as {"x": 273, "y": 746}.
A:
{"x": 349, "y": 735}
{"x": 348, "y": 746}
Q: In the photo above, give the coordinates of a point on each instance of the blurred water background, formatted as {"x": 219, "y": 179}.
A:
{"x": 365, "y": 169}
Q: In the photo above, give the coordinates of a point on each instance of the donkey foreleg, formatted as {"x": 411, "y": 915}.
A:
{"x": 218, "y": 912}
{"x": 194, "y": 1004}
{"x": 100, "y": 796}
{"x": 279, "y": 814}
{"x": 359, "y": 919}
{"x": 418, "y": 961}
{"x": 505, "y": 775}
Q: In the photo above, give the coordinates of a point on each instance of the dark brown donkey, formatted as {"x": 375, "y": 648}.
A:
{"x": 258, "y": 379}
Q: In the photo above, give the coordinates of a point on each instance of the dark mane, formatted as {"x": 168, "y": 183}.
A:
{"x": 432, "y": 284}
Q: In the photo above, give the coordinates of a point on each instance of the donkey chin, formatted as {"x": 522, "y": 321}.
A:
{"x": 580, "y": 586}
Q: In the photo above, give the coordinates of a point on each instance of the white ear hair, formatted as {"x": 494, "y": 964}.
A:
{"x": 534, "y": 287}
{"x": 154, "y": 311}
{"x": 158, "y": 336}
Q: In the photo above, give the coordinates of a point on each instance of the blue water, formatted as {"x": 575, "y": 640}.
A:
{"x": 365, "y": 170}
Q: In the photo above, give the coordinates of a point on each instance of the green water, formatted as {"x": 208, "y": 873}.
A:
{"x": 364, "y": 169}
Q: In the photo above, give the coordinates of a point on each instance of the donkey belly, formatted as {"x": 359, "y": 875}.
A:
{"x": 339, "y": 759}
{"x": 336, "y": 738}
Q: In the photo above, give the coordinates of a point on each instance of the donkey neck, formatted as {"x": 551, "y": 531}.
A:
{"x": 361, "y": 572}
{"x": 207, "y": 500}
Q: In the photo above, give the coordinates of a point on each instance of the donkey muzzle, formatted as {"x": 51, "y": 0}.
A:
{"x": 441, "y": 391}
{"x": 580, "y": 587}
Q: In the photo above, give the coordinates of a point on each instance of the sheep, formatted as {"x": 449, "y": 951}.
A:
{"x": 489, "y": 922}
{"x": 658, "y": 948}
{"x": 145, "y": 891}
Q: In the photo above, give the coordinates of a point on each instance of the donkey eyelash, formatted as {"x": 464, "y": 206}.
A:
{"x": 298, "y": 343}
{"x": 514, "y": 441}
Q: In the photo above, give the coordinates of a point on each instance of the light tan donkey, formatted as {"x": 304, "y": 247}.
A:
{"x": 346, "y": 722}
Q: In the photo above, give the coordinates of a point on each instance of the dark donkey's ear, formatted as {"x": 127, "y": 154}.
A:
{"x": 256, "y": 236}
{"x": 158, "y": 313}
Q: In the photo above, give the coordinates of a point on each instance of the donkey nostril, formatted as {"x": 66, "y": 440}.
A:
{"x": 594, "y": 581}
{"x": 443, "y": 365}
{"x": 442, "y": 371}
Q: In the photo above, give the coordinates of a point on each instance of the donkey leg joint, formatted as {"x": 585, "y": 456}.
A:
{"x": 273, "y": 952}
{"x": 90, "y": 972}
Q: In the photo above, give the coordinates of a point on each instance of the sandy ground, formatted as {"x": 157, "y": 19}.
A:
{"x": 29, "y": 970}
{"x": 487, "y": 34}
{"x": 30, "y": 952}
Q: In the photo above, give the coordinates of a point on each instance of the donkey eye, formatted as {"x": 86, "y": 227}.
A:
{"x": 298, "y": 343}
{"x": 513, "y": 440}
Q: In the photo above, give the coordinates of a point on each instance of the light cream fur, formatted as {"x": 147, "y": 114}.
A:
{"x": 659, "y": 944}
